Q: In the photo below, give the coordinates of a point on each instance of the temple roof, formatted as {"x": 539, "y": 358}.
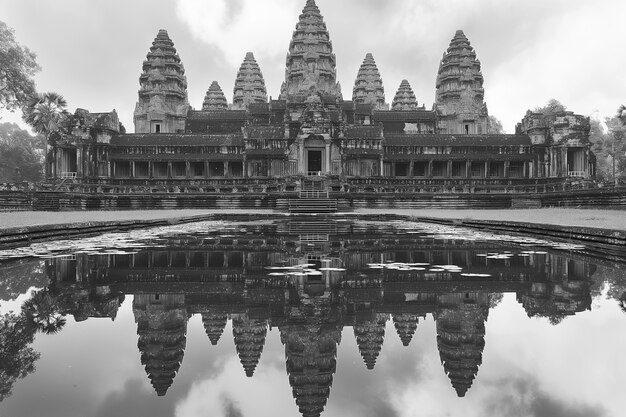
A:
{"x": 231, "y": 115}
{"x": 459, "y": 79}
{"x": 249, "y": 84}
{"x": 406, "y": 325}
{"x": 409, "y": 116}
{"x": 162, "y": 71}
{"x": 404, "y": 98}
{"x": 264, "y": 132}
{"x": 368, "y": 87}
{"x": 363, "y": 132}
{"x": 214, "y": 99}
{"x": 369, "y": 338}
{"x": 311, "y": 64}
{"x": 399, "y": 139}
{"x": 175, "y": 139}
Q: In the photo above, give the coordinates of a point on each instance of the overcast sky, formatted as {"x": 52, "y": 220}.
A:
{"x": 91, "y": 51}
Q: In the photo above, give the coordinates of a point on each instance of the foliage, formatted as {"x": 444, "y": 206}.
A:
{"x": 609, "y": 146}
{"x": 494, "y": 125}
{"x": 553, "y": 106}
{"x": 21, "y": 154}
{"x": 17, "y": 358}
{"x": 18, "y": 66}
{"x": 495, "y": 298}
{"x": 45, "y": 113}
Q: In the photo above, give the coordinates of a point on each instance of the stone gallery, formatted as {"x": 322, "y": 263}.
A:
{"x": 311, "y": 131}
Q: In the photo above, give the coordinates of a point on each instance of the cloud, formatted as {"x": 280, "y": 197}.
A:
{"x": 237, "y": 27}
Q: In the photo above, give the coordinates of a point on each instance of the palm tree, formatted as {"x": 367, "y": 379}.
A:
{"x": 42, "y": 312}
{"x": 621, "y": 114}
{"x": 45, "y": 113}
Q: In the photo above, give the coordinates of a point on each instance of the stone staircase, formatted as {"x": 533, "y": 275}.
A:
{"x": 313, "y": 198}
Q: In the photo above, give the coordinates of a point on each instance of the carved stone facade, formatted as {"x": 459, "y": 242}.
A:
{"x": 162, "y": 105}
{"x": 310, "y": 131}
{"x": 249, "y": 84}
{"x": 215, "y": 100}
{"x": 460, "y": 94}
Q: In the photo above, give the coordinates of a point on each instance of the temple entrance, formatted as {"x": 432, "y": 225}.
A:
{"x": 314, "y": 162}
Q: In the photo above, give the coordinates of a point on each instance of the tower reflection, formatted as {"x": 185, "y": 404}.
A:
{"x": 313, "y": 285}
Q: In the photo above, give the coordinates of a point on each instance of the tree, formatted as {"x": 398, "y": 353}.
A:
{"x": 553, "y": 106}
{"x": 494, "y": 125}
{"x": 21, "y": 154}
{"x": 45, "y": 113}
{"x": 616, "y": 146}
{"x": 17, "y": 68}
{"x": 17, "y": 358}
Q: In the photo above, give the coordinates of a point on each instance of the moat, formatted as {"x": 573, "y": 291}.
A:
{"x": 310, "y": 316}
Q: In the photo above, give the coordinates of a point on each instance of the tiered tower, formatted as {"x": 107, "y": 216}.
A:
{"x": 249, "y": 84}
{"x": 310, "y": 61}
{"x": 214, "y": 99}
{"x": 311, "y": 353}
{"x": 460, "y": 94}
{"x": 249, "y": 337}
{"x": 368, "y": 87}
{"x": 161, "y": 326}
{"x": 404, "y": 98}
{"x": 162, "y": 105}
{"x": 406, "y": 325}
{"x": 460, "y": 322}
{"x": 369, "y": 337}
{"x": 214, "y": 324}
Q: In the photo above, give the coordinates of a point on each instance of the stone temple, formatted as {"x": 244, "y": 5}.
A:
{"x": 311, "y": 132}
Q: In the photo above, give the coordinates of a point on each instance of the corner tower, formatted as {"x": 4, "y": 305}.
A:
{"x": 460, "y": 95}
{"x": 163, "y": 104}
{"x": 404, "y": 98}
{"x": 368, "y": 87}
{"x": 249, "y": 84}
{"x": 214, "y": 100}
{"x": 310, "y": 61}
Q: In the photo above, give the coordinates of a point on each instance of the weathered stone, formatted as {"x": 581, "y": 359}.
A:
{"x": 368, "y": 87}
{"x": 404, "y": 98}
{"x": 249, "y": 84}
{"x": 214, "y": 99}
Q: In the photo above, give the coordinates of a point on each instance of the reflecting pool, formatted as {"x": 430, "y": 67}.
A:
{"x": 311, "y": 317}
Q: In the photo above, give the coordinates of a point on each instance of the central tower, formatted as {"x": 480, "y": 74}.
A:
{"x": 310, "y": 62}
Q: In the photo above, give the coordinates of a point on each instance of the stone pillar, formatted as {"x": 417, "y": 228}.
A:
{"x": 524, "y": 169}
{"x": 132, "y": 169}
{"x": 79, "y": 161}
{"x": 301, "y": 163}
{"x": 169, "y": 170}
{"x": 245, "y": 166}
{"x": 412, "y": 168}
{"x": 328, "y": 168}
{"x": 226, "y": 165}
{"x": 187, "y": 169}
{"x": 468, "y": 168}
{"x": 150, "y": 169}
{"x": 507, "y": 164}
{"x": 486, "y": 169}
{"x": 54, "y": 162}
{"x": 449, "y": 169}
{"x": 429, "y": 173}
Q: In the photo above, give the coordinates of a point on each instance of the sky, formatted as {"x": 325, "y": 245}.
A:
{"x": 91, "y": 52}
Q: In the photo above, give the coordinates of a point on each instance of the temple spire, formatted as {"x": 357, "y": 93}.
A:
{"x": 214, "y": 324}
{"x": 162, "y": 105}
{"x": 311, "y": 64}
{"x": 460, "y": 94}
{"x": 249, "y": 337}
{"x": 406, "y": 325}
{"x": 214, "y": 99}
{"x": 404, "y": 98}
{"x": 369, "y": 337}
{"x": 368, "y": 87}
{"x": 249, "y": 84}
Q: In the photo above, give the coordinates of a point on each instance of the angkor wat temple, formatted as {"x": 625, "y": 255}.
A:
{"x": 232, "y": 278}
{"x": 311, "y": 132}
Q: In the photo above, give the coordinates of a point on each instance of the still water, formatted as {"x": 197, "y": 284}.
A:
{"x": 309, "y": 317}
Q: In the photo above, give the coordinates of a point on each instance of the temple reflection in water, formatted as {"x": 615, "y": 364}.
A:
{"x": 311, "y": 279}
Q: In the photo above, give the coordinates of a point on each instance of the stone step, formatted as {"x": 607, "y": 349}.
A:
{"x": 312, "y": 205}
